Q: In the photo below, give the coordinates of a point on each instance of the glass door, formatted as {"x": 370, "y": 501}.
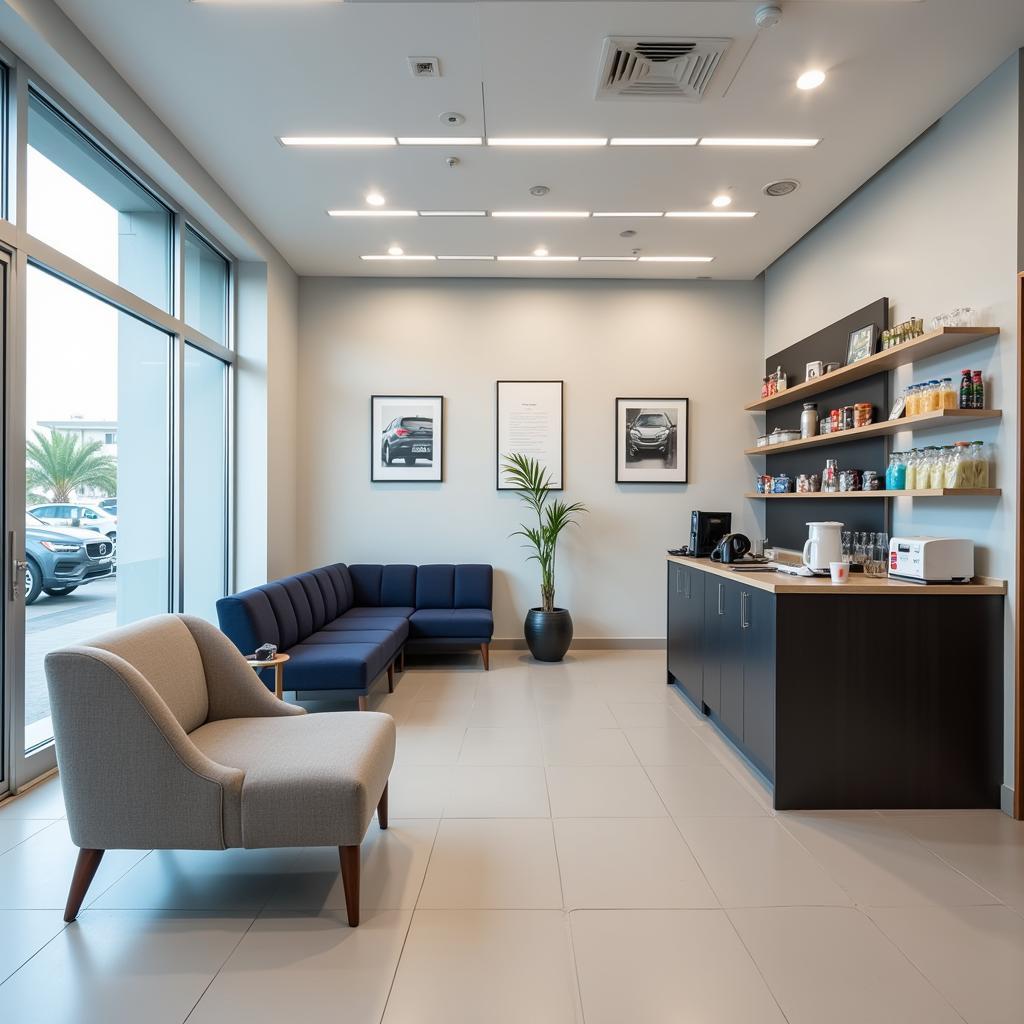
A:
{"x": 7, "y": 718}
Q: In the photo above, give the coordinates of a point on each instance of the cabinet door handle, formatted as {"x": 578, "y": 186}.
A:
{"x": 687, "y": 591}
{"x": 721, "y": 598}
{"x": 679, "y": 572}
{"x": 744, "y": 618}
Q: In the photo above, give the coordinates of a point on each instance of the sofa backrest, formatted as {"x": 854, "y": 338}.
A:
{"x": 287, "y": 611}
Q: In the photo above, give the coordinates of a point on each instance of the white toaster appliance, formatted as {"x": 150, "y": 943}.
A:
{"x": 932, "y": 559}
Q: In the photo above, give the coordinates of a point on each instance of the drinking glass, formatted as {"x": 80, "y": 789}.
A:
{"x": 878, "y": 562}
{"x": 847, "y": 546}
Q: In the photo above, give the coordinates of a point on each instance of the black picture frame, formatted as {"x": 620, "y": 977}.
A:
{"x": 862, "y": 343}
{"x": 682, "y": 446}
{"x": 499, "y": 485}
{"x": 381, "y": 473}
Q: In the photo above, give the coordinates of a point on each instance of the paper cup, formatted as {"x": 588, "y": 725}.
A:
{"x": 840, "y": 571}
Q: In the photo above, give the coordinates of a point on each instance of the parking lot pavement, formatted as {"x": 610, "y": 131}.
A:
{"x": 54, "y": 622}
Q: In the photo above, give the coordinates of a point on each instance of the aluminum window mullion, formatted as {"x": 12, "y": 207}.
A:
{"x": 177, "y": 539}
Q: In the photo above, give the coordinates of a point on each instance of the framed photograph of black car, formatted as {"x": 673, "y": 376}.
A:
{"x": 406, "y": 438}
{"x": 651, "y": 440}
{"x": 862, "y": 344}
{"x": 529, "y": 414}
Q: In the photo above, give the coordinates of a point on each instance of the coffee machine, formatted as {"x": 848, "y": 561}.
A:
{"x": 706, "y": 530}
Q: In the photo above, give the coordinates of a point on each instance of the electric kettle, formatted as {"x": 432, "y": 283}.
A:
{"x": 824, "y": 545}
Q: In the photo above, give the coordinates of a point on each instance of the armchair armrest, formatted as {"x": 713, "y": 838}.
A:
{"x": 234, "y": 689}
{"x": 132, "y": 778}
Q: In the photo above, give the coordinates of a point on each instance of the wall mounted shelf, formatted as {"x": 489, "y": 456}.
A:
{"x": 930, "y": 344}
{"x": 938, "y": 492}
{"x": 927, "y": 421}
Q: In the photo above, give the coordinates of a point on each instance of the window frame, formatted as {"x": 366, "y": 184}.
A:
{"x": 23, "y": 250}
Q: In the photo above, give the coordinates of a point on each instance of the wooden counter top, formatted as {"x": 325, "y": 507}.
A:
{"x": 859, "y": 584}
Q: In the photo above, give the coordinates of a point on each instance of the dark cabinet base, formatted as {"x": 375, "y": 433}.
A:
{"x": 854, "y": 701}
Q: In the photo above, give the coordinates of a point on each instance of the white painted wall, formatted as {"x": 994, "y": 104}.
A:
{"x": 605, "y": 339}
{"x": 934, "y": 230}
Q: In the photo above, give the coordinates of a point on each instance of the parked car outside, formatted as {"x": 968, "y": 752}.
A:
{"x": 78, "y": 516}
{"x": 650, "y": 432}
{"x": 108, "y": 505}
{"x": 59, "y": 560}
{"x": 408, "y": 438}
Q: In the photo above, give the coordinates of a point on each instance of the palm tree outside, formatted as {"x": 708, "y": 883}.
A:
{"x": 58, "y": 465}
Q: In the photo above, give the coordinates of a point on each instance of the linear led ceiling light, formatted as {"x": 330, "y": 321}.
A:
{"x": 541, "y": 213}
{"x": 623, "y": 213}
{"x": 403, "y": 257}
{"x": 538, "y": 259}
{"x": 371, "y": 213}
{"x": 546, "y": 142}
{"x": 337, "y": 140}
{"x": 608, "y": 259}
{"x": 453, "y": 213}
{"x": 626, "y": 141}
{"x": 440, "y": 141}
{"x": 715, "y": 214}
{"x": 759, "y": 142}
{"x": 676, "y": 259}
{"x": 465, "y": 257}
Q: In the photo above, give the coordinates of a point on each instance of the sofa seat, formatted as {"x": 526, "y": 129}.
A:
{"x": 338, "y": 761}
{"x": 326, "y": 666}
{"x": 350, "y": 621}
{"x": 363, "y": 612}
{"x": 458, "y": 623}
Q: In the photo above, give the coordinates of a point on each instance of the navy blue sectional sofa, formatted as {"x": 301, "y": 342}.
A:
{"x": 344, "y": 625}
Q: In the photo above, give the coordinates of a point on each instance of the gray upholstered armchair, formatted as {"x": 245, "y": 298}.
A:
{"x": 166, "y": 739}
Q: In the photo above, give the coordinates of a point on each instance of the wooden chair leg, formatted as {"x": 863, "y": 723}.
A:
{"x": 485, "y": 653}
{"x": 350, "y": 881}
{"x": 401, "y": 660}
{"x": 391, "y": 678}
{"x": 85, "y": 871}
{"x": 361, "y": 702}
{"x": 382, "y": 808}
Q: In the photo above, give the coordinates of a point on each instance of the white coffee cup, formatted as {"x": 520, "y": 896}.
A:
{"x": 840, "y": 571}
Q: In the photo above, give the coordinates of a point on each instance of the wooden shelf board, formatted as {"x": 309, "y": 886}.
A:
{"x": 927, "y": 421}
{"x": 939, "y": 492}
{"x": 930, "y": 344}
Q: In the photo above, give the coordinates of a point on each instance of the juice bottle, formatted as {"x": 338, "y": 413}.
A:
{"x": 947, "y": 393}
{"x": 977, "y": 391}
{"x": 966, "y": 390}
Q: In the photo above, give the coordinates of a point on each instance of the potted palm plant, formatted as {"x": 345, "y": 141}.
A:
{"x": 548, "y": 629}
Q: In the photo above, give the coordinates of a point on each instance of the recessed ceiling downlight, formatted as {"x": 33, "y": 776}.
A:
{"x": 810, "y": 79}
{"x": 375, "y": 199}
{"x": 722, "y": 200}
{"x": 784, "y": 187}
{"x": 540, "y": 251}
{"x": 396, "y": 250}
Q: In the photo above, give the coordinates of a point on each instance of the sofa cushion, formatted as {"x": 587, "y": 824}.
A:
{"x": 435, "y": 586}
{"x": 473, "y": 586}
{"x": 326, "y": 666}
{"x": 315, "y": 597}
{"x": 397, "y": 612}
{"x": 451, "y": 622}
{"x": 310, "y": 780}
{"x": 284, "y": 612}
{"x": 327, "y": 593}
{"x": 248, "y": 620}
{"x": 366, "y": 584}
{"x": 342, "y": 580}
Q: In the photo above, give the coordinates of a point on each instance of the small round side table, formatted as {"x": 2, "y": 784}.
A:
{"x": 277, "y": 664}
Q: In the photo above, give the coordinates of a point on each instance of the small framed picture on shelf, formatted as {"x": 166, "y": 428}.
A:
{"x": 814, "y": 370}
{"x": 862, "y": 344}
{"x": 899, "y": 407}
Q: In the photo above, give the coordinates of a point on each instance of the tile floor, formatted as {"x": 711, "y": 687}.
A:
{"x": 569, "y": 843}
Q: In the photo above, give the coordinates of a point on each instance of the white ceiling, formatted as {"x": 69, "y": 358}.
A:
{"x": 230, "y": 76}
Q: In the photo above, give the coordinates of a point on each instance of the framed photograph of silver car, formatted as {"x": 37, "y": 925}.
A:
{"x": 529, "y": 415}
{"x": 651, "y": 440}
{"x": 406, "y": 438}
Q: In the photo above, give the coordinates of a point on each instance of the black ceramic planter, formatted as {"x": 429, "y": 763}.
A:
{"x": 548, "y": 634}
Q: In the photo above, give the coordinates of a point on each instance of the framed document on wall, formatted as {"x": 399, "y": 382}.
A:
{"x": 530, "y": 423}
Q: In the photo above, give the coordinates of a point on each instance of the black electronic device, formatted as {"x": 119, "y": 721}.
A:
{"x": 731, "y": 548}
{"x": 706, "y": 530}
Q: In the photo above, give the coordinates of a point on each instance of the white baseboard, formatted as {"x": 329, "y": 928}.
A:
{"x": 1006, "y": 800}
{"x": 595, "y": 643}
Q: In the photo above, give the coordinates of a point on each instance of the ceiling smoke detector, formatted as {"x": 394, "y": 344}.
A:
{"x": 767, "y": 15}
{"x": 452, "y": 118}
{"x": 424, "y": 67}
{"x": 781, "y": 188}
{"x": 646, "y": 67}
{"x": 539, "y": 190}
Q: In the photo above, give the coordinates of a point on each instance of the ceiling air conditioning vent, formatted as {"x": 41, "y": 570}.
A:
{"x": 645, "y": 66}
